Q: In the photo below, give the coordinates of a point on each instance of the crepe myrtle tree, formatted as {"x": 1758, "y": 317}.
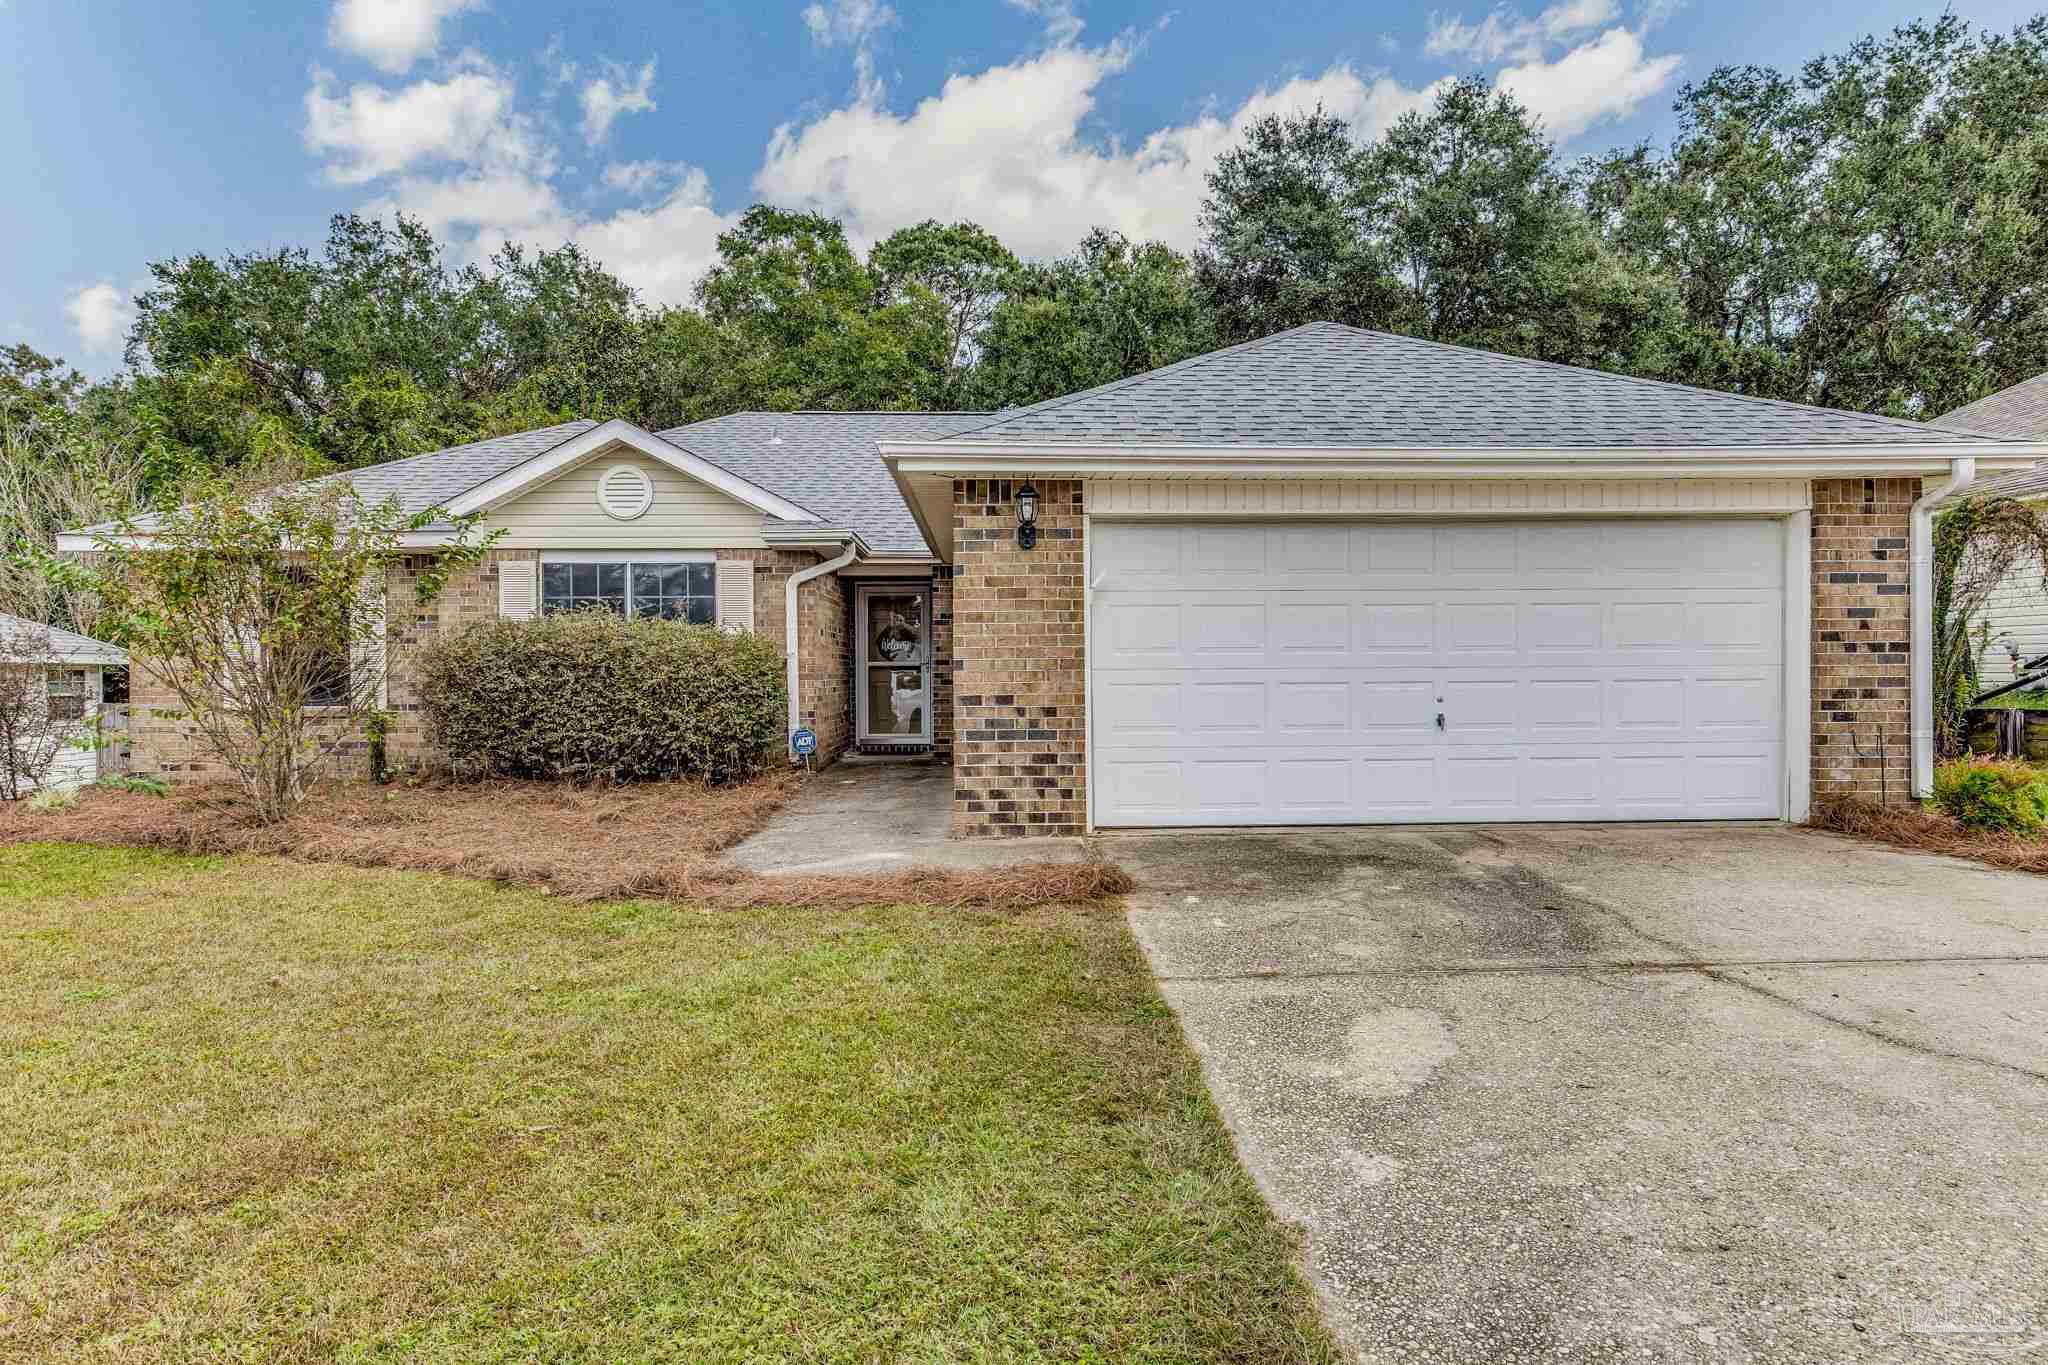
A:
{"x": 36, "y": 724}
{"x": 263, "y": 615}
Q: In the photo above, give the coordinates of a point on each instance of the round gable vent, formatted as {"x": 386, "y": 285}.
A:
{"x": 624, "y": 491}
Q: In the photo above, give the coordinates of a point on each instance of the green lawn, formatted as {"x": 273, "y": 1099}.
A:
{"x": 264, "y": 1111}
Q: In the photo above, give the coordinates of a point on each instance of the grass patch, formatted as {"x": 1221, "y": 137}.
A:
{"x": 639, "y": 841}
{"x": 1931, "y": 831}
{"x": 264, "y": 1110}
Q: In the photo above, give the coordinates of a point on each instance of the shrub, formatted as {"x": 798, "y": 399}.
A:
{"x": 594, "y": 698}
{"x": 1993, "y": 795}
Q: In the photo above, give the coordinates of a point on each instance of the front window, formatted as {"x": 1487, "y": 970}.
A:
{"x": 671, "y": 591}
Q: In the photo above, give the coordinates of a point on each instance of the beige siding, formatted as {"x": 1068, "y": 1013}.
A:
{"x": 2017, "y": 613}
{"x": 74, "y": 766}
{"x": 563, "y": 514}
{"x": 1368, "y": 497}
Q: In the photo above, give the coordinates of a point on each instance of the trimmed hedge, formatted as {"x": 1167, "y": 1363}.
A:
{"x": 591, "y": 697}
{"x": 1993, "y": 795}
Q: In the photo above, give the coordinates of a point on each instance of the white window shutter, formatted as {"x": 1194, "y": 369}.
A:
{"x": 736, "y": 594}
{"x": 518, "y": 588}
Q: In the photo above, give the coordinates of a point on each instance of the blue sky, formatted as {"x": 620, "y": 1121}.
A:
{"x": 136, "y": 131}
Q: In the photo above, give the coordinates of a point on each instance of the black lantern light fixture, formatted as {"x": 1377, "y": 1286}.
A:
{"x": 1027, "y": 517}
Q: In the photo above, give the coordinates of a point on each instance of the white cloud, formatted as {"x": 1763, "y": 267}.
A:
{"x": 638, "y": 177}
{"x": 391, "y": 34}
{"x": 101, "y": 315}
{"x": 1006, "y": 148}
{"x": 1506, "y": 34}
{"x": 853, "y": 22}
{"x": 616, "y": 92}
{"x": 1604, "y": 79}
{"x": 661, "y": 249}
{"x": 1062, "y": 25}
{"x": 368, "y": 131}
{"x": 1012, "y": 147}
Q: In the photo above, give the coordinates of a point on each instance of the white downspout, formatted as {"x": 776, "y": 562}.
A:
{"x": 789, "y": 621}
{"x": 1961, "y": 472}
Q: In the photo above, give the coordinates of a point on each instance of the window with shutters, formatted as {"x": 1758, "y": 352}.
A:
{"x": 674, "y": 591}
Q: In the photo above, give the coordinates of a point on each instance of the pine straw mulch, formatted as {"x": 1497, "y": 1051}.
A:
{"x": 649, "y": 841}
{"x": 1931, "y": 832}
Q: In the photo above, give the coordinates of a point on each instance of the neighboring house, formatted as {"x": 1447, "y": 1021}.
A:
{"x": 1331, "y": 576}
{"x": 70, "y": 672}
{"x": 2016, "y": 616}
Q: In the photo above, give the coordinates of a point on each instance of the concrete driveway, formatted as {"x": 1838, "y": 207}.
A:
{"x": 1692, "y": 1093}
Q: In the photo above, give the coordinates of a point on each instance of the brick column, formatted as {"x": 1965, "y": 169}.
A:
{"x": 1862, "y": 635}
{"x": 1019, "y": 717}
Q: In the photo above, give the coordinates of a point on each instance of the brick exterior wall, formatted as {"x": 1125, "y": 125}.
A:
{"x": 169, "y": 749}
{"x": 1017, "y": 635}
{"x": 825, "y": 700}
{"x": 1862, "y": 634}
{"x": 943, "y": 663}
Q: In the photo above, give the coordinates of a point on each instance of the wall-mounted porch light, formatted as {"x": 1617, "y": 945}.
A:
{"x": 1027, "y": 517}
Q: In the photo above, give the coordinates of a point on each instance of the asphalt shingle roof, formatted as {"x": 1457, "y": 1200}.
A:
{"x": 2017, "y": 413}
{"x": 438, "y": 477}
{"x": 826, "y": 462}
{"x": 55, "y": 644}
{"x": 1329, "y": 385}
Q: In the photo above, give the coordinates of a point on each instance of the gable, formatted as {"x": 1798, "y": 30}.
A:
{"x": 567, "y": 512}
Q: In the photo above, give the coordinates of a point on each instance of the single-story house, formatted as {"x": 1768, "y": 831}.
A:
{"x": 1331, "y": 576}
{"x": 67, "y": 674}
{"x": 2016, "y": 615}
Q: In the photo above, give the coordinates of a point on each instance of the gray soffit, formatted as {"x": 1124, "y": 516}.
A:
{"x": 1326, "y": 385}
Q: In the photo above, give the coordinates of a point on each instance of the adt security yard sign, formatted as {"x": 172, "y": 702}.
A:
{"x": 803, "y": 742}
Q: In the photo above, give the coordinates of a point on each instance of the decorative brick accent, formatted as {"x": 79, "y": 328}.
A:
{"x": 1018, "y": 641}
{"x": 1862, "y": 632}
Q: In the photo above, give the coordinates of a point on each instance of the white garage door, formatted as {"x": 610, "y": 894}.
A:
{"x": 1246, "y": 674}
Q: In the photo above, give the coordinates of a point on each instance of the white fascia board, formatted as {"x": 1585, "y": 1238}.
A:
{"x": 1660, "y": 466}
{"x": 496, "y": 491}
{"x": 938, "y": 457}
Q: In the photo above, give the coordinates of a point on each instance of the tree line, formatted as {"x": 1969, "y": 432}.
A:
{"x": 1866, "y": 232}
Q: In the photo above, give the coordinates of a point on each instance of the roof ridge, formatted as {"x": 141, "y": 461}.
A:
{"x": 1055, "y": 403}
{"x": 583, "y": 422}
{"x": 1400, "y": 337}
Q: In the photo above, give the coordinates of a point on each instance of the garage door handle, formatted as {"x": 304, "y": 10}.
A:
{"x": 1439, "y": 720}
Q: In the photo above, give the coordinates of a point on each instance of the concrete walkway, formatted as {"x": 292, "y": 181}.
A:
{"x": 871, "y": 815}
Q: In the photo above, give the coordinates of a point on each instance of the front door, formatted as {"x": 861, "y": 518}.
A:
{"x": 894, "y": 686}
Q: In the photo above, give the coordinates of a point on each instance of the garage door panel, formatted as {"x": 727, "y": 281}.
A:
{"x": 1392, "y": 553}
{"x": 1563, "y": 632}
{"x": 1734, "y": 707}
{"x": 1391, "y": 709}
{"x": 1472, "y": 631}
{"x": 1228, "y": 791}
{"x": 1294, "y": 674}
{"x": 1223, "y": 629}
{"x": 1221, "y": 711}
{"x": 1312, "y": 630}
{"x": 1304, "y": 710}
{"x": 1397, "y": 632}
{"x": 1137, "y": 633}
{"x": 1311, "y": 552}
